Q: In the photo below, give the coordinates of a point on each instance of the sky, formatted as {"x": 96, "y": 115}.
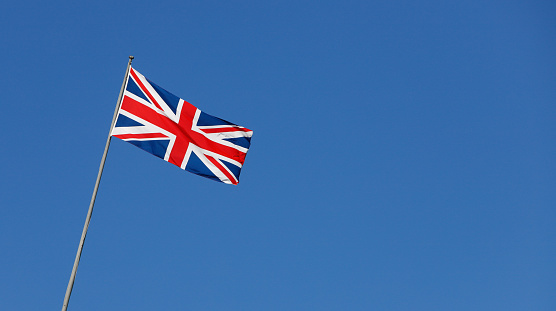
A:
{"x": 402, "y": 156}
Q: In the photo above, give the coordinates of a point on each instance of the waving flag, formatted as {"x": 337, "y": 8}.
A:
{"x": 172, "y": 129}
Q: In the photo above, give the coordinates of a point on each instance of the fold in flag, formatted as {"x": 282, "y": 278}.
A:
{"x": 172, "y": 129}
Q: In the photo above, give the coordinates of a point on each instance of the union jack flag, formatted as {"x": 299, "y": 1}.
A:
{"x": 172, "y": 129}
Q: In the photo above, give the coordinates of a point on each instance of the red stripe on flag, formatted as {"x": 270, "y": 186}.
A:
{"x": 142, "y": 86}
{"x": 222, "y": 169}
{"x": 141, "y": 136}
{"x": 225, "y": 129}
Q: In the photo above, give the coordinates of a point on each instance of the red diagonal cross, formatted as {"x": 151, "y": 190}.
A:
{"x": 182, "y": 130}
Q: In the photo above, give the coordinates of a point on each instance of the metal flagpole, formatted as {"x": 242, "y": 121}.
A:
{"x": 88, "y": 220}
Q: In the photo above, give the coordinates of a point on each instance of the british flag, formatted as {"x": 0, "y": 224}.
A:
{"x": 170, "y": 128}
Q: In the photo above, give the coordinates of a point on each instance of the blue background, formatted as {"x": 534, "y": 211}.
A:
{"x": 402, "y": 158}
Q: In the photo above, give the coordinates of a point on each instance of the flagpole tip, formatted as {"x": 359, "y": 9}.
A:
{"x": 131, "y": 57}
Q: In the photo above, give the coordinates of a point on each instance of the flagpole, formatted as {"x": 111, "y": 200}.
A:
{"x": 88, "y": 220}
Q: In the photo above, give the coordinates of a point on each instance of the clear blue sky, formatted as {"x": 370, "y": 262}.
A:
{"x": 403, "y": 156}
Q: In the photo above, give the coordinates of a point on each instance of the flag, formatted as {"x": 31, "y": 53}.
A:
{"x": 172, "y": 129}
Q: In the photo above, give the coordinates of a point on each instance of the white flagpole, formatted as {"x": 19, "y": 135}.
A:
{"x": 88, "y": 220}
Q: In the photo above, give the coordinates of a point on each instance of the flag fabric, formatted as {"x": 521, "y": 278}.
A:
{"x": 172, "y": 129}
